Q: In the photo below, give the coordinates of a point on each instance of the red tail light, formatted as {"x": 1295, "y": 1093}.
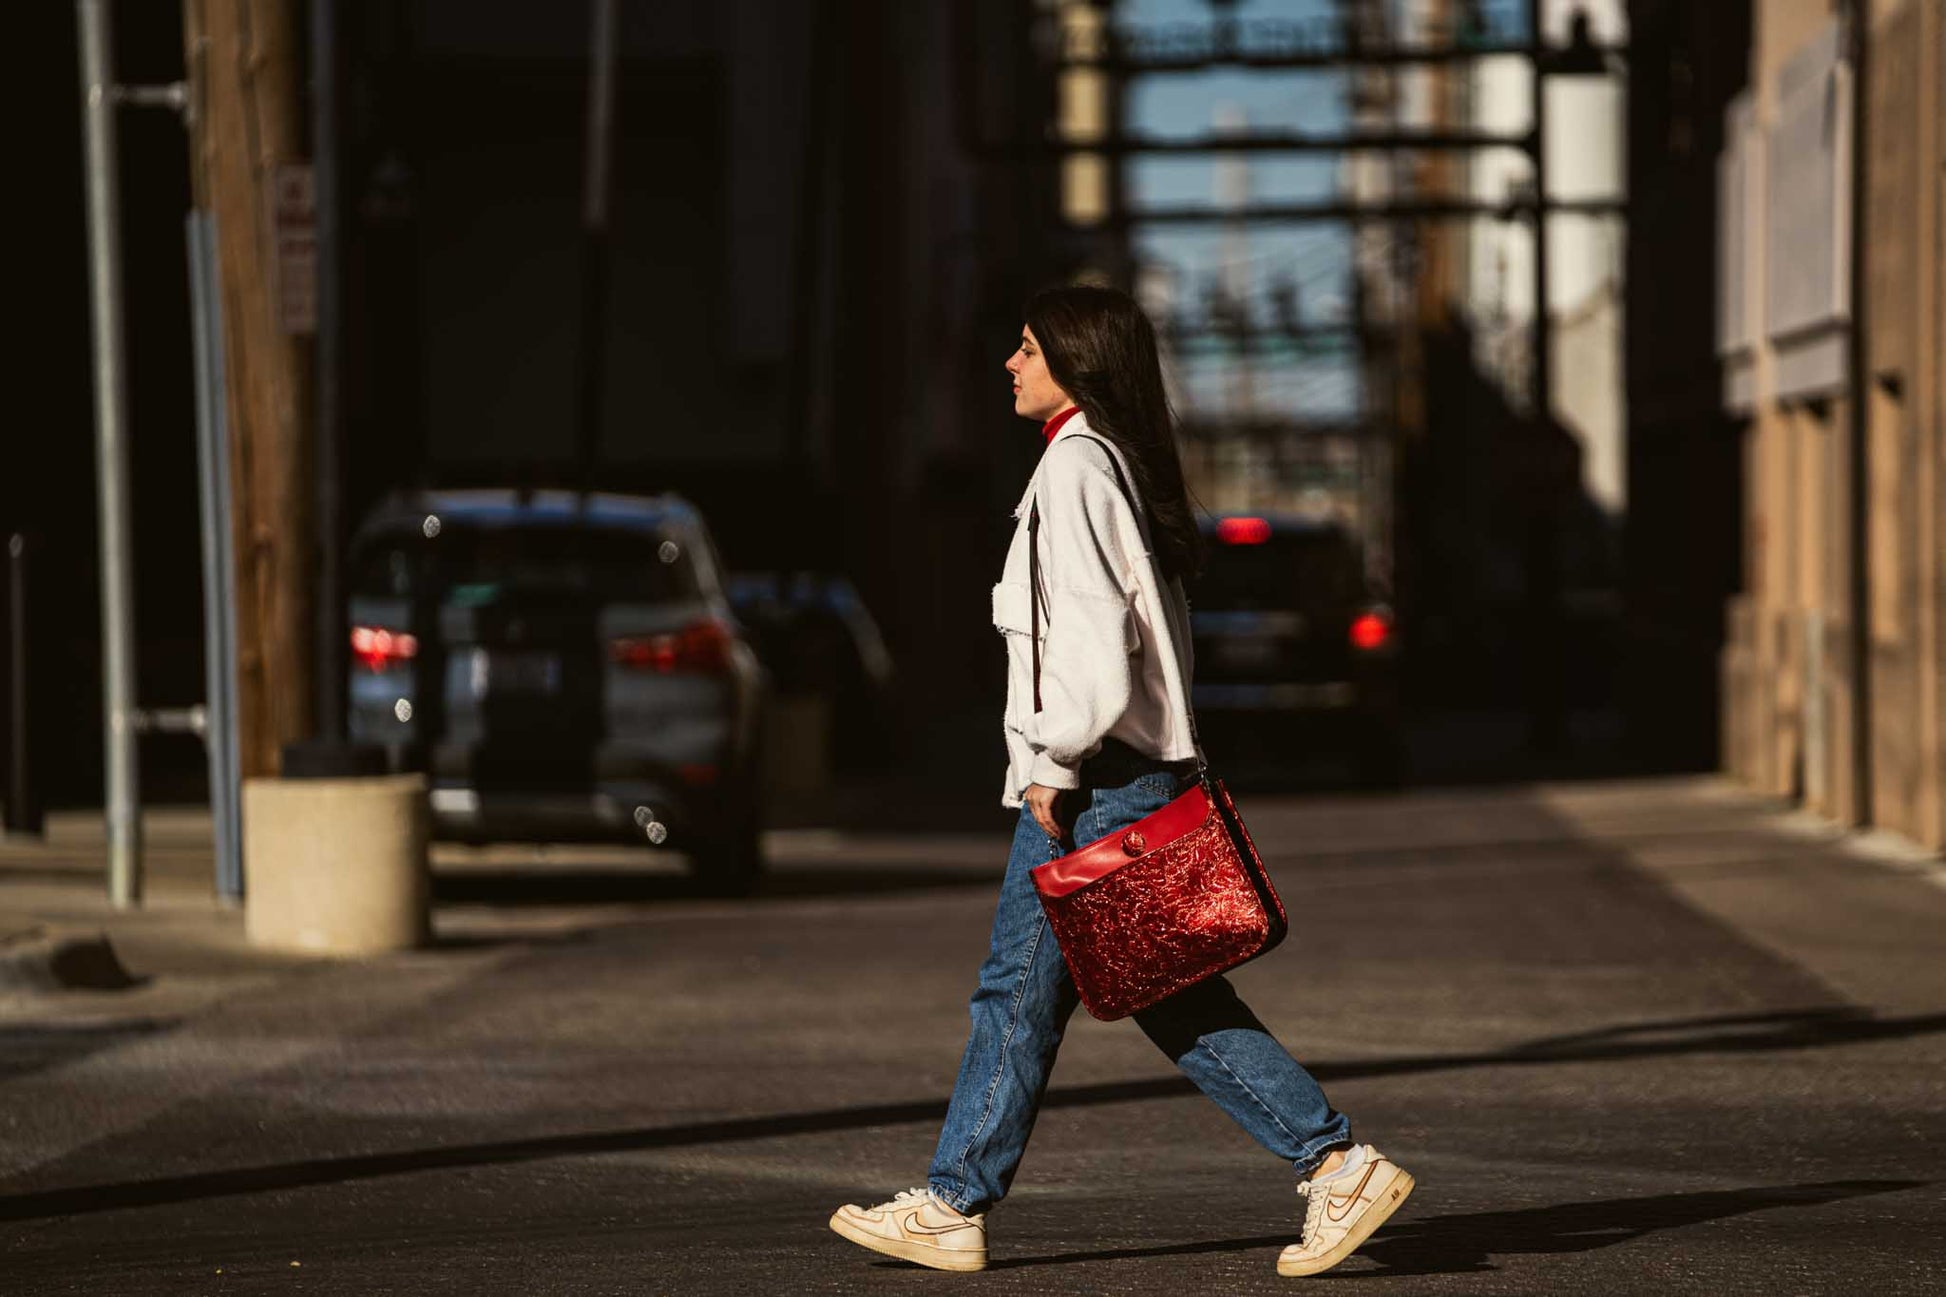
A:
{"x": 1371, "y": 629}
{"x": 1243, "y": 531}
{"x": 703, "y": 648}
{"x": 379, "y": 649}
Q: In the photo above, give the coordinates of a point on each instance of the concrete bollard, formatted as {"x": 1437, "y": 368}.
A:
{"x": 336, "y": 866}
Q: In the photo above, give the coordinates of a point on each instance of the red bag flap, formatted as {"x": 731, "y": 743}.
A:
{"x": 1098, "y": 859}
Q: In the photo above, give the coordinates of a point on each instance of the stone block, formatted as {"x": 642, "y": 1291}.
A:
{"x": 336, "y": 866}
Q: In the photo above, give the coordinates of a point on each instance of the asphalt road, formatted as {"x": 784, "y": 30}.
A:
{"x": 1640, "y": 1037}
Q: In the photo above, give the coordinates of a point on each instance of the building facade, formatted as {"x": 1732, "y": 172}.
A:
{"x": 1585, "y": 145}
{"x": 1830, "y": 298}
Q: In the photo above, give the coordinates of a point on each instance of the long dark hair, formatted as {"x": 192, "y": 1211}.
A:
{"x": 1100, "y": 348}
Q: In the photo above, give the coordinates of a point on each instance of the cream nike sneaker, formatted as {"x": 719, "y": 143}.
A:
{"x": 917, "y": 1227}
{"x": 1341, "y": 1213}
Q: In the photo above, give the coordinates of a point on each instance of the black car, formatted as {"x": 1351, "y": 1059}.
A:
{"x": 565, "y": 666}
{"x": 1293, "y": 645}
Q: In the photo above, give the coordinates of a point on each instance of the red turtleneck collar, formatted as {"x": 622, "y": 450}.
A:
{"x": 1053, "y": 425}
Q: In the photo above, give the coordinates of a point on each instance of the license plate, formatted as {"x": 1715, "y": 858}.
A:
{"x": 511, "y": 671}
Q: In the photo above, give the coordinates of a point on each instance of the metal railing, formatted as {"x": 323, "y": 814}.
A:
{"x": 123, "y": 721}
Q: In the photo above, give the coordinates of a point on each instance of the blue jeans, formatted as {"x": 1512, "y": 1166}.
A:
{"x": 1025, "y": 997}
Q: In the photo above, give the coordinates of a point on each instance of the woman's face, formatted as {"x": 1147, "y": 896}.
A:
{"x": 1036, "y": 394}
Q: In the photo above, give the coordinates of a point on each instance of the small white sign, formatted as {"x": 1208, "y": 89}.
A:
{"x": 294, "y": 226}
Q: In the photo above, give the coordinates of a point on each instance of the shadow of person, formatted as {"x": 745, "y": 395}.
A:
{"x": 1468, "y": 1241}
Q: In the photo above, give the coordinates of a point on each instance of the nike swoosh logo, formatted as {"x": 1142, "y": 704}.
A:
{"x": 911, "y": 1225}
{"x": 1332, "y": 1203}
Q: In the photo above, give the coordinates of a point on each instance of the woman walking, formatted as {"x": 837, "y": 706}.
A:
{"x": 1100, "y": 739}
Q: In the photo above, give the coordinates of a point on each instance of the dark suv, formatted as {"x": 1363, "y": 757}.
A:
{"x": 565, "y": 666}
{"x": 1292, "y": 644}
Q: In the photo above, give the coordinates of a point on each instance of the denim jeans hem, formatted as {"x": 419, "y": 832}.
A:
{"x": 1318, "y": 1150}
{"x": 957, "y": 1201}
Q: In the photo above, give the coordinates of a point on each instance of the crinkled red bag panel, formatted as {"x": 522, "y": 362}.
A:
{"x": 1161, "y": 923}
{"x": 1256, "y": 861}
{"x": 1105, "y": 855}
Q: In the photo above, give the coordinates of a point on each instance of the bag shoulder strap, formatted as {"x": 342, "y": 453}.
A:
{"x": 1034, "y": 589}
{"x": 1034, "y": 595}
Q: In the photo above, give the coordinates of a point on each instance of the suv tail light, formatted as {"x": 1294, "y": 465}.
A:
{"x": 1371, "y": 630}
{"x": 378, "y": 648}
{"x": 1243, "y": 531}
{"x": 703, "y": 648}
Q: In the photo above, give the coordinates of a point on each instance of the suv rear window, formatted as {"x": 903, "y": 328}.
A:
{"x": 1309, "y": 571}
{"x": 609, "y": 563}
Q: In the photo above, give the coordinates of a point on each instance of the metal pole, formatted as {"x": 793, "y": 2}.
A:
{"x": 219, "y": 606}
{"x": 23, "y": 803}
{"x": 591, "y": 363}
{"x": 1546, "y": 683}
{"x": 1858, "y": 398}
{"x": 807, "y": 257}
{"x": 326, "y": 170}
{"x": 123, "y": 809}
{"x": 1543, "y": 359}
{"x": 225, "y": 724}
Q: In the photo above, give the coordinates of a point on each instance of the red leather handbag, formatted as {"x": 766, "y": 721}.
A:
{"x": 1179, "y": 896}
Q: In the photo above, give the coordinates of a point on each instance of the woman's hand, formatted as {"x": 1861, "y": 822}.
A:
{"x": 1040, "y": 800}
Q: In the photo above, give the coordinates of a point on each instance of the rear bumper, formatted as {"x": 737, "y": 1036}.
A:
{"x": 608, "y": 812}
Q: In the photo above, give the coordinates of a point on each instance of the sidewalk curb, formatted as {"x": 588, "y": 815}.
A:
{"x": 39, "y": 959}
{"x": 1885, "y": 848}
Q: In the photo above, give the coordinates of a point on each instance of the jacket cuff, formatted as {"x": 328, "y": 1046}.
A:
{"x": 1049, "y": 773}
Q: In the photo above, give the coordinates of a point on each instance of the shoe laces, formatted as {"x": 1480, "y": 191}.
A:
{"x": 1314, "y": 1195}
{"x": 910, "y": 1197}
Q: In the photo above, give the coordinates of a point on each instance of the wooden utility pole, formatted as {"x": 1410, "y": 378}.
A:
{"x": 247, "y": 168}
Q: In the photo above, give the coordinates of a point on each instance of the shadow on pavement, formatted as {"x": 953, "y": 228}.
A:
{"x": 1461, "y": 1243}
{"x": 28, "y": 1048}
{"x": 615, "y": 886}
{"x": 1465, "y": 1243}
{"x": 1727, "y": 1034}
{"x": 1738, "y": 1033}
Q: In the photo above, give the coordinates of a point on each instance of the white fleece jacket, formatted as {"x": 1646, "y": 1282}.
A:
{"x": 1115, "y": 646}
